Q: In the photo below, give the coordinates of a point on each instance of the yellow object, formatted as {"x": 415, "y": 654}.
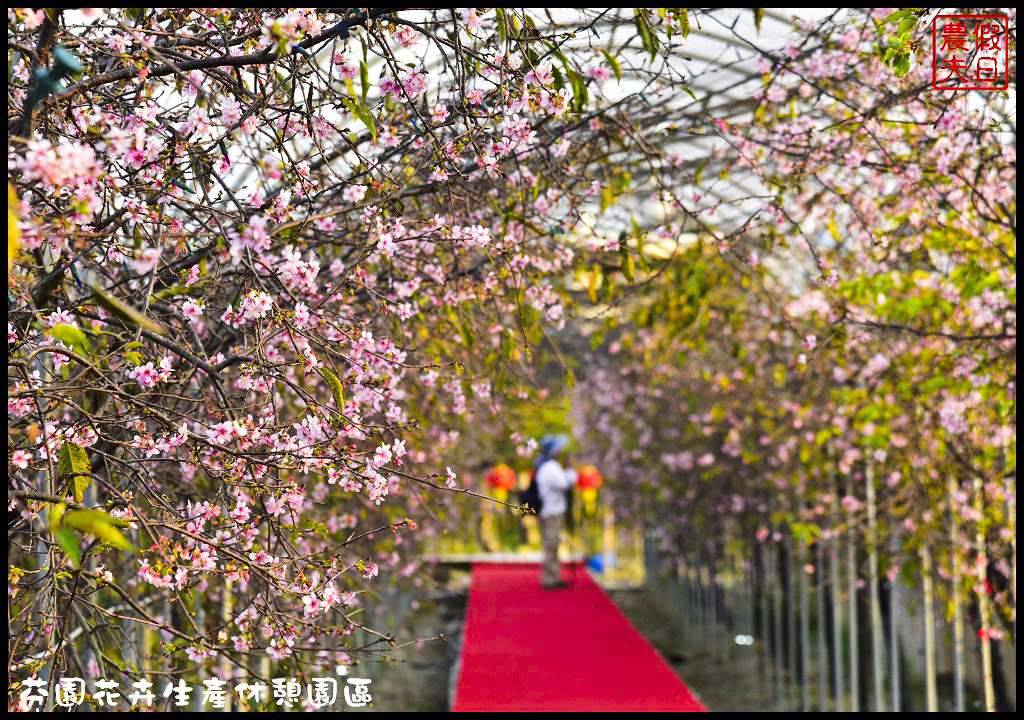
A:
{"x": 13, "y": 231}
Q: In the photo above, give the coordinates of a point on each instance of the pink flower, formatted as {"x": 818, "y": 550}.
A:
{"x": 382, "y": 456}
{"x": 69, "y": 164}
{"x": 147, "y": 375}
{"x": 560, "y": 148}
{"x": 58, "y": 317}
{"x": 488, "y": 163}
{"x": 147, "y": 260}
{"x": 952, "y": 416}
{"x": 850, "y": 504}
{"x": 20, "y": 459}
{"x": 415, "y": 82}
{"x": 241, "y": 512}
{"x": 195, "y": 82}
{"x": 449, "y": 478}
{"x": 472, "y": 20}
{"x": 369, "y": 570}
{"x": 34, "y": 19}
{"x": 312, "y": 605}
{"x": 192, "y": 310}
{"x": 294, "y": 498}
{"x": 197, "y": 654}
{"x": 398, "y": 450}
{"x": 231, "y": 112}
{"x": 540, "y": 77}
{"x": 331, "y": 596}
{"x": 198, "y": 120}
{"x": 261, "y": 557}
{"x": 279, "y": 649}
{"x": 275, "y": 506}
{"x": 388, "y": 86}
{"x": 354, "y": 193}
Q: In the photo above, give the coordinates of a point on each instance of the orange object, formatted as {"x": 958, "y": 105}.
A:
{"x": 588, "y": 478}
{"x": 502, "y": 477}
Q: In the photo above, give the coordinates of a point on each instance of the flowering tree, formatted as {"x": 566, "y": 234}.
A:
{"x": 270, "y": 268}
{"x": 857, "y": 328}
{"x": 262, "y": 262}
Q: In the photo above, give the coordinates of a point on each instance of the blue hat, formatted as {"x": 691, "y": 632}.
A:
{"x": 552, "y": 445}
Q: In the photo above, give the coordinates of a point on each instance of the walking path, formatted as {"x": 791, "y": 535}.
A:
{"x": 525, "y": 648}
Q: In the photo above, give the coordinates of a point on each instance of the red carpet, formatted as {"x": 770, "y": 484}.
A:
{"x": 571, "y": 649}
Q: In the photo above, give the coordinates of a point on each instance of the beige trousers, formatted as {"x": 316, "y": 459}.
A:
{"x": 550, "y": 529}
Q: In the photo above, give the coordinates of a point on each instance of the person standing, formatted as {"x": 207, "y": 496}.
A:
{"x": 553, "y": 483}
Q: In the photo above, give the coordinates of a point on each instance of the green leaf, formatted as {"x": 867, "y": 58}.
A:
{"x": 616, "y": 68}
{"x": 579, "y": 90}
{"x": 897, "y": 15}
{"x": 902, "y": 65}
{"x": 758, "y": 17}
{"x": 646, "y": 39}
{"x": 98, "y": 523}
{"x": 628, "y": 266}
{"x": 699, "y": 172}
{"x": 366, "y": 117}
{"x": 336, "y": 387}
{"x": 71, "y": 460}
{"x": 71, "y": 336}
{"x": 502, "y": 32}
{"x": 467, "y": 333}
{"x": 124, "y": 312}
{"x": 684, "y": 22}
{"x": 559, "y": 82}
{"x": 69, "y": 542}
{"x": 805, "y": 533}
{"x": 595, "y": 273}
{"x": 364, "y": 78}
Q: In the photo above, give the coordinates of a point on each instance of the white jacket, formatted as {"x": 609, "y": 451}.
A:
{"x": 552, "y": 483}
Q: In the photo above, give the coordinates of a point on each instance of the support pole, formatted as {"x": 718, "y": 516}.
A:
{"x": 819, "y": 593}
{"x": 985, "y": 611}
{"x": 713, "y": 589}
{"x": 803, "y": 659}
{"x": 777, "y": 621}
{"x": 877, "y": 641}
{"x": 199, "y": 614}
{"x": 227, "y": 669}
{"x": 837, "y": 609}
{"x": 791, "y": 641}
{"x": 956, "y": 587}
{"x": 931, "y": 691}
{"x": 608, "y": 549}
{"x": 851, "y": 587}
{"x": 763, "y": 598}
{"x": 894, "y": 638}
